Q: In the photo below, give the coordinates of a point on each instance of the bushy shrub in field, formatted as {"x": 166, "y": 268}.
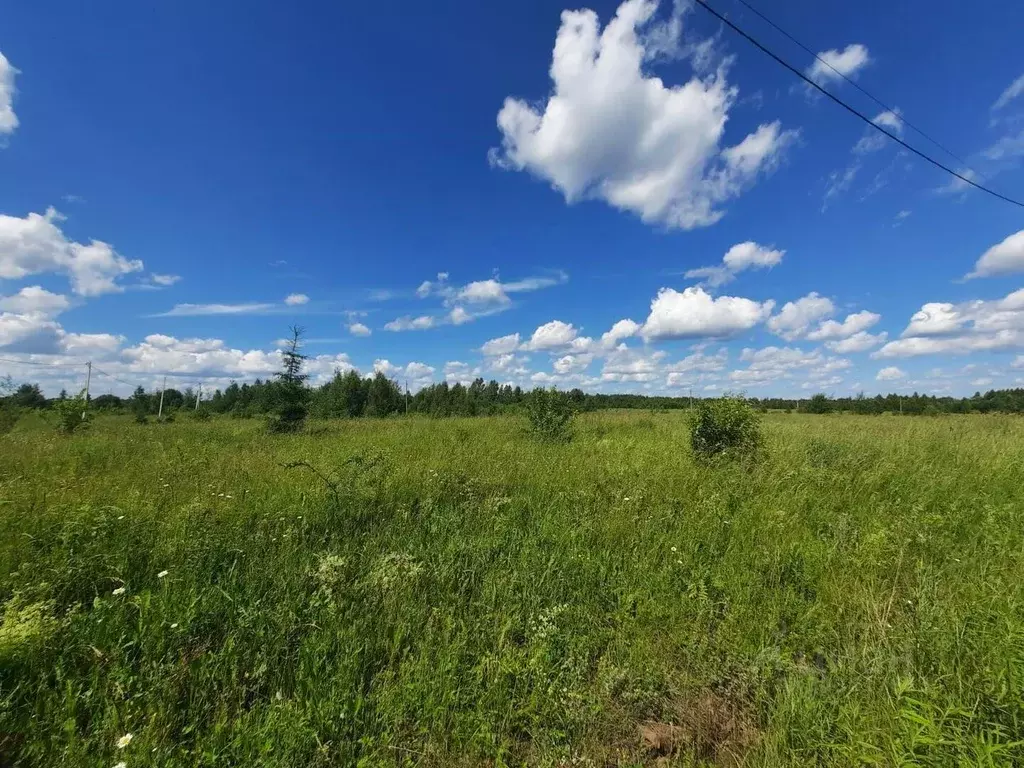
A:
{"x": 727, "y": 426}
{"x": 201, "y": 415}
{"x": 71, "y": 414}
{"x": 550, "y": 415}
{"x": 8, "y": 417}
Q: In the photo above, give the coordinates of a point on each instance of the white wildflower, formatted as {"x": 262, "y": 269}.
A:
{"x": 124, "y": 741}
{"x": 120, "y": 517}
{"x": 161, "y": 574}
{"x": 174, "y": 625}
{"x": 122, "y": 764}
{"x": 674, "y": 549}
{"x": 118, "y": 591}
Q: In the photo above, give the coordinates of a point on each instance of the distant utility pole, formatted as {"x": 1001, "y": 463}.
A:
{"x": 160, "y": 412}
{"x": 406, "y": 397}
{"x": 689, "y": 405}
{"x": 88, "y": 382}
{"x": 198, "y": 393}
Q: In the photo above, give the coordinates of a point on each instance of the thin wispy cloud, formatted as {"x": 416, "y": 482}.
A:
{"x": 199, "y": 310}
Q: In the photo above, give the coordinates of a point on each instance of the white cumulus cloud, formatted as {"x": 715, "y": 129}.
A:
{"x": 501, "y": 346}
{"x": 8, "y": 120}
{"x": 746, "y": 255}
{"x": 853, "y": 324}
{"x": 35, "y": 299}
{"x": 796, "y": 318}
{"x": 694, "y": 313}
{"x": 296, "y": 299}
{"x": 612, "y": 131}
{"x": 1003, "y": 258}
{"x": 36, "y": 245}
{"x": 892, "y": 373}
{"x": 358, "y": 329}
{"x": 946, "y": 328}
{"x": 553, "y": 335}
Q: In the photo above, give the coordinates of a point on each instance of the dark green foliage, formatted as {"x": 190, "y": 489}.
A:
{"x": 383, "y": 397}
{"x": 550, "y": 414}
{"x": 291, "y": 408}
{"x": 71, "y": 414}
{"x": 201, "y": 414}
{"x": 819, "y": 403}
{"x": 728, "y": 426}
{"x": 8, "y": 417}
{"x": 29, "y": 396}
{"x": 106, "y": 403}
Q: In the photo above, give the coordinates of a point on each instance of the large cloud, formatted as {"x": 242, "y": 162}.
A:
{"x": 694, "y": 313}
{"x": 796, "y": 318}
{"x": 35, "y": 299}
{"x": 35, "y": 245}
{"x": 942, "y": 327}
{"x": 612, "y": 131}
{"x": 1003, "y": 258}
{"x": 37, "y": 333}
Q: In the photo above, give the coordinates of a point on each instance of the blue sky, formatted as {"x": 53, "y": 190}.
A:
{"x": 417, "y": 184}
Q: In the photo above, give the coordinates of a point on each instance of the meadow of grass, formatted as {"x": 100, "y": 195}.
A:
{"x": 459, "y": 594}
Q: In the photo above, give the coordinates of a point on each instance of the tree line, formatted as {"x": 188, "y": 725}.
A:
{"x": 350, "y": 395}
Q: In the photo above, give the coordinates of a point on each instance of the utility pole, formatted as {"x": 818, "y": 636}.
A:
{"x": 901, "y": 405}
{"x": 406, "y": 397}
{"x": 160, "y": 412}
{"x": 88, "y": 381}
{"x": 198, "y": 393}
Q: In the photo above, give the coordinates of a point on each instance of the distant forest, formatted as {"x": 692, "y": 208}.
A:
{"x": 349, "y": 395}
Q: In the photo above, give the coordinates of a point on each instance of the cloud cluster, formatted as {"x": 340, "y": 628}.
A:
{"x": 36, "y": 245}
{"x": 946, "y": 328}
{"x": 612, "y": 131}
{"x": 807, "y": 318}
{"x": 466, "y": 303}
{"x": 415, "y": 375}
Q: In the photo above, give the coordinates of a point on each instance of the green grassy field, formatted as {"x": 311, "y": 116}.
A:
{"x": 466, "y": 596}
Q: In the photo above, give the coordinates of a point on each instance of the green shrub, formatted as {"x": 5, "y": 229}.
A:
{"x": 550, "y": 415}
{"x": 728, "y": 426}
{"x": 8, "y": 417}
{"x": 71, "y": 413}
{"x": 201, "y": 415}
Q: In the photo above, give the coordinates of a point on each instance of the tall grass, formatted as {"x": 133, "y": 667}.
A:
{"x": 455, "y": 593}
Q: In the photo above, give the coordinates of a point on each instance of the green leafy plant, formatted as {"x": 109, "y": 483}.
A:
{"x": 550, "y": 414}
{"x": 8, "y": 417}
{"x": 71, "y": 414}
{"x": 727, "y": 426}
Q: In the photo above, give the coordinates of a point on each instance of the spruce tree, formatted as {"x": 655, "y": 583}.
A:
{"x": 291, "y": 410}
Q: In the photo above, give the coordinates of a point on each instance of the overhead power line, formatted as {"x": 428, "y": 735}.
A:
{"x": 853, "y": 110}
{"x": 852, "y": 82}
{"x": 111, "y": 376}
{"x": 37, "y": 364}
